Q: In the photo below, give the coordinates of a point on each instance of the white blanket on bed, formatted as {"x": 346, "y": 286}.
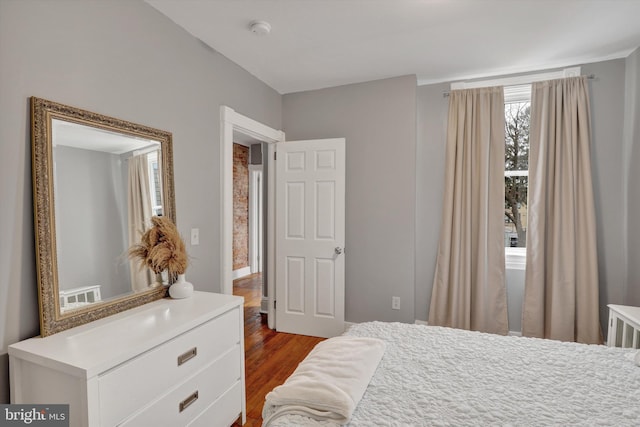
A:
{"x": 329, "y": 382}
{"x": 432, "y": 376}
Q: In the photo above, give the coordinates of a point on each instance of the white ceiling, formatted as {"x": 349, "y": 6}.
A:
{"x": 324, "y": 43}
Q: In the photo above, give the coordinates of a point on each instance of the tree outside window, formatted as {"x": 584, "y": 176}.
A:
{"x": 516, "y": 177}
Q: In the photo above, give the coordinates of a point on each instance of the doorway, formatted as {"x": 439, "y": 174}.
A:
{"x": 248, "y": 208}
{"x": 248, "y": 219}
{"x": 234, "y": 125}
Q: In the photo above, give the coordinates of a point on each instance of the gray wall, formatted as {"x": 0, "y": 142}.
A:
{"x": 433, "y": 109}
{"x": 255, "y": 158}
{"x": 607, "y": 107}
{"x": 89, "y": 197}
{"x": 607, "y": 157}
{"x": 378, "y": 120}
{"x": 632, "y": 141}
{"x": 126, "y": 60}
{"x": 514, "y": 279}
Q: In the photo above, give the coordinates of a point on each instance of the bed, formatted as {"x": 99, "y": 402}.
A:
{"x": 434, "y": 376}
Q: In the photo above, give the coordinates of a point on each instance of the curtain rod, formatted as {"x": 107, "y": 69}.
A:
{"x": 589, "y": 77}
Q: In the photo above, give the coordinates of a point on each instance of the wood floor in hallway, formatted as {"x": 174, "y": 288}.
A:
{"x": 270, "y": 356}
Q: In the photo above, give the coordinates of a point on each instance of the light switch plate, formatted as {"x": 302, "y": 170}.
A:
{"x": 195, "y": 236}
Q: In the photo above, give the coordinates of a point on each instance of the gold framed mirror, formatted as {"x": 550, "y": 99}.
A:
{"x": 96, "y": 182}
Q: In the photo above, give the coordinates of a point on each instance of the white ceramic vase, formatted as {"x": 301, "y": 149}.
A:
{"x": 181, "y": 288}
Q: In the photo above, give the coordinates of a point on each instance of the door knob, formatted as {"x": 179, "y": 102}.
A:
{"x": 338, "y": 250}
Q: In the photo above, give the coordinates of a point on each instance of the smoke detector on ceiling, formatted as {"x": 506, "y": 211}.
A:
{"x": 260, "y": 28}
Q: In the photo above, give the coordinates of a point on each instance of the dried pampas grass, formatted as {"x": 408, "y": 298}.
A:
{"x": 161, "y": 248}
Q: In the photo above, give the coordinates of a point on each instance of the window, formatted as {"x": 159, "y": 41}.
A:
{"x": 517, "y": 113}
{"x": 517, "y": 97}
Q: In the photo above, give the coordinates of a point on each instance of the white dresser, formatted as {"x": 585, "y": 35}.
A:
{"x": 167, "y": 363}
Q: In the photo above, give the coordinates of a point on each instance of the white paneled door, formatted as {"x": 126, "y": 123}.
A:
{"x": 310, "y": 216}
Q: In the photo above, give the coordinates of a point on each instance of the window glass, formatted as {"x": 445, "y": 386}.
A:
{"x": 155, "y": 184}
{"x": 516, "y": 175}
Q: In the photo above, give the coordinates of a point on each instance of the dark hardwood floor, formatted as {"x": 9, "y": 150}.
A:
{"x": 270, "y": 357}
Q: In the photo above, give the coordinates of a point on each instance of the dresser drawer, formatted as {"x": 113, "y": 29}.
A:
{"x": 134, "y": 384}
{"x": 223, "y": 412}
{"x": 190, "y": 399}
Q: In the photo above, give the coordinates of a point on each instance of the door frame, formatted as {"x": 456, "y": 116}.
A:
{"x": 231, "y": 121}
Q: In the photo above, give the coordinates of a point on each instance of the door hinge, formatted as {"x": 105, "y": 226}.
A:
{"x": 275, "y": 155}
{"x": 274, "y": 304}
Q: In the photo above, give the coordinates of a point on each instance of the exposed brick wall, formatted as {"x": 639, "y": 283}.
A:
{"x": 240, "y": 206}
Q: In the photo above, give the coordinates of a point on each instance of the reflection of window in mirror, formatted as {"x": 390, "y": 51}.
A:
{"x": 155, "y": 183}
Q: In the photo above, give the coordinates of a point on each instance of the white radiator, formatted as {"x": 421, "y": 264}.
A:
{"x": 624, "y": 326}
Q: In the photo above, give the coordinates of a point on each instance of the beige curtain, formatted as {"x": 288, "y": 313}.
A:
{"x": 561, "y": 285}
{"x": 139, "y": 215}
{"x": 469, "y": 288}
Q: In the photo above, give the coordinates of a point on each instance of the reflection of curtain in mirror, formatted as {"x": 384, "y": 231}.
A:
{"x": 139, "y": 215}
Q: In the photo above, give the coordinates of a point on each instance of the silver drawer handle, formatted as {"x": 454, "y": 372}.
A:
{"x": 188, "y": 401}
{"x": 185, "y": 357}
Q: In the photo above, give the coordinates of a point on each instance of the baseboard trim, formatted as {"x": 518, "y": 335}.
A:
{"x": 421, "y": 322}
{"x": 264, "y": 305}
{"x": 241, "y": 272}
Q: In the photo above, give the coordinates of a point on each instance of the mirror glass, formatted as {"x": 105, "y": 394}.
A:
{"x": 97, "y": 183}
{"x": 94, "y": 170}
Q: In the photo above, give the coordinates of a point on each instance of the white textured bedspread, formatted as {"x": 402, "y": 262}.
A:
{"x": 432, "y": 376}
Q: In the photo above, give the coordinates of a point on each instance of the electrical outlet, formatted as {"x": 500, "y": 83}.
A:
{"x": 395, "y": 303}
{"x": 195, "y": 236}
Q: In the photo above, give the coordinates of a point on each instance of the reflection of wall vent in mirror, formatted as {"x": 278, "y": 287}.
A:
{"x": 97, "y": 182}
